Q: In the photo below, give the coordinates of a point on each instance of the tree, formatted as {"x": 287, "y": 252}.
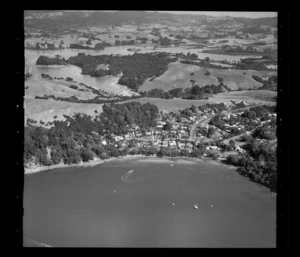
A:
{"x": 98, "y": 149}
{"x": 210, "y": 132}
{"x": 86, "y": 154}
{"x": 232, "y": 143}
{"x": 246, "y": 138}
{"x": 194, "y": 109}
{"x": 167, "y": 126}
{"x": 232, "y": 159}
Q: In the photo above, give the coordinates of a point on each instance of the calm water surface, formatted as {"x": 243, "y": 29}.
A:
{"x": 135, "y": 203}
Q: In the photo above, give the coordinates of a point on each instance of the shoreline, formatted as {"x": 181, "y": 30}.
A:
{"x": 97, "y": 161}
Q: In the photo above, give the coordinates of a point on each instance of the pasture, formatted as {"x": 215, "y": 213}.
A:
{"x": 178, "y": 75}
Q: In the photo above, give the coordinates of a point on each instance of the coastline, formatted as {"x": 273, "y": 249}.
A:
{"x": 97, "y": 161}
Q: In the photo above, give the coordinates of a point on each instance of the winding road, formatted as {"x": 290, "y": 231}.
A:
{"x": 196, "y": 124}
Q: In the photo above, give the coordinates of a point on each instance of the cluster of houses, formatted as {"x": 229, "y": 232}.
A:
{"x": 44, "y": 46}
{"x": 178, "y": 133}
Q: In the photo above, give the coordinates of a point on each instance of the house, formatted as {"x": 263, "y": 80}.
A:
{"x": 161, "y": 123}
{"x": 159, "y": 126}
{"x": 189, "y": 145}
{"x": 103, "y": 142}
{"x": 148, "y": 133}
{"x": 127, "y": 136}
{"x": 172, "y": 143}
{"x": 138, "y": 134}
{"x": 118, "y": 138}
{"x": 181, "y": 145}
{"x": 165, "y": 143}
{"x": 238, "y": 149}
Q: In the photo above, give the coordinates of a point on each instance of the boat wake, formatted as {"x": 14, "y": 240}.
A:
{"x": 130, "y": 177}
{"x": 36, "y": 243}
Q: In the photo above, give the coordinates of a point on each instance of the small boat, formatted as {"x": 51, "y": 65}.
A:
{"x": 173, "y": 204}
{"x": 196, "y": 206}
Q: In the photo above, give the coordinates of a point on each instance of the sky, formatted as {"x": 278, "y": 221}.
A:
{"x": 222, "y": 13}
{"x": 232, "y": 14}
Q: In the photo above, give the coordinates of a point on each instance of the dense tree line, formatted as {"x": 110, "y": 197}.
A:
{"x": 124, "y": 42}
{"x": 135, "y": 68}
{"x": 259, "y": 163}
{"x": 269, "y": 84}
{"x": 254, "y": 64}
{"x": 79, "y": 138}
{"x": 95, "y": 100}
{"x": 193, "y": 93}
{"x": 204, "y": 64}
{"x": 45, "y": 60}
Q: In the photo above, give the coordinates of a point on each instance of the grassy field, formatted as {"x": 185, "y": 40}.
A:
{"x": 178, "y": 75}
{"x": 252, "y": 97}
{"x": 170, "y": 104}
{"x": 60, "y": 88}
{"x": 45, "y": 110}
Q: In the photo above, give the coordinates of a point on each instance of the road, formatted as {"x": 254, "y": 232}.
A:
{"x": 195, "y": 125}
{"x": 251, "y": 106}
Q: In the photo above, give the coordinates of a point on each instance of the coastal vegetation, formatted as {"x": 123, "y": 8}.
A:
{"x": 259, "y": 163}
{"x": 80, "y": 138}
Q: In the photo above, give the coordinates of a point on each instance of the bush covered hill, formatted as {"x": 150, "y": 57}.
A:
{"x": 79, "y": 137}
{"x": 135, "y": 69}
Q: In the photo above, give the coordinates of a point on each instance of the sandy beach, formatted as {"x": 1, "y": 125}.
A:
{"x": 96, "y": 161}
{"x": 146, "y": 159}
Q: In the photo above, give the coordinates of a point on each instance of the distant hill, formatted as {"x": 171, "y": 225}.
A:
{"x": 83, "y": 18}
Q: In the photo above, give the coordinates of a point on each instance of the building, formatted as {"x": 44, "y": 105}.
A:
{"x": 172, "y": 143}
{"x": 118, "y": 138}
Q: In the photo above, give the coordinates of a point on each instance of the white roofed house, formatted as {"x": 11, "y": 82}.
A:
{"x": 127, "y": 136}
{"x": 138, "y": 133}
{"x": 118, "y": 138}
{"x": 172, "y": 143}
{"x": 239, "y": 149}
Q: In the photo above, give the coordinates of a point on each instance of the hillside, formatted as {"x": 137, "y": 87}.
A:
{"x": 179, "y": 75}
{"x": 80, "y": 18}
